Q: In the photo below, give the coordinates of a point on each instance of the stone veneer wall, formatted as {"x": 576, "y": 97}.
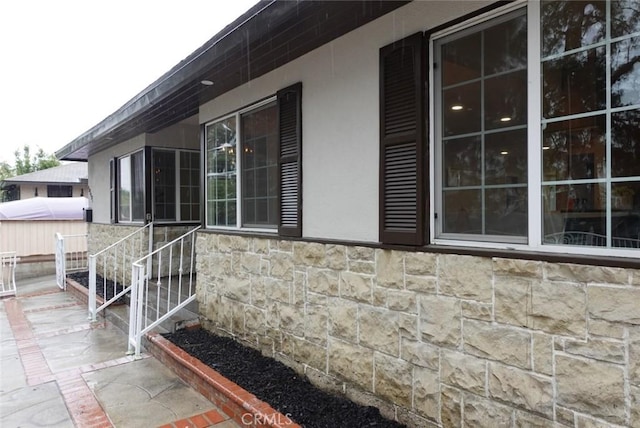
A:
{"x": 103, "y": 235}
{"x": 435, "y": 339}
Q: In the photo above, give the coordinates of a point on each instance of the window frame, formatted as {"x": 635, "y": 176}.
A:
{"x": 535, "y": 122}
{"x": 58, "y": 189}
{"x": 239, "y": 168}
{"x": 176, "y": 186}
{"x": 118, "y": 171}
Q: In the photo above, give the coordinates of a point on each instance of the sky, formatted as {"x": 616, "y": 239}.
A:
{"x": 67, "y": 64}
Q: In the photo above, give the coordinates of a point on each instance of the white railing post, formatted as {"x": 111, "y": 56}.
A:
{"x": 92, "y": 287}
{"x": 140, "y": 303}
{"x": 150, "y": 260}
{"x": 61, "y": 275}
{"x": 133, "y": 306}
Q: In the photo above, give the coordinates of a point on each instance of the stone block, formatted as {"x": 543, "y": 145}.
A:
{"x": 450, "y": 407}
{"x": 258, "y": 292}
{"x": 299, "y": 290}
{"x": 292, "y": 319}
{"x": 565, "y": 416}
{"x": 237, "y": 289}
{"x": 378, "y": 329}
{"x": 420, "y": 354}
{"x": 517, "y": 267}
{"x": 362, "y": 267}
{"x": 466, "y": 277}
{"x": 309, "y": 254}
{"x": 323, "y": 281}
{"x": 529, "y": 420}
{"x": 635, "y": 406}
{"x": 542, "y": 348}
{"x": 421, "y": 284}
{"x": 356, "y": 286}
{"x": 254, "y": 320}
{"x": 478, "y": 311}
{"x": 497, "y": 342}
{"x": 343, "y": 319}
{"x": 426, "y": 392}
{"x": 281, "y": 266}
{"x": 361, "y": 253}
{"x": 336, "y": 257}
{"x": 463, "y": 371}
{"x": 315, "y": 324}
{"x": 219, "y": 265}
{"x": 260, "y": 246}
{"x": 606, "y": 329}
{"x": 591, "y": 387}
{"x": 285, "y": 246}
{"x": 311, "y": 354}
{"x": 421, "y": 264}
{"x": 522, "y": 389}
{"x": 390, "y": 268}
{"x": 237, "y": 320}
{"x": 583, "y": 421}
{"x": 586, "y": 273}
{"x": 352, "y": 363}
{"x": 558, "y": 308}
{"x": 393, "y": 379}
{"x": 480, "y": 412}
{"x": 634, "y": 356}
{"x": 597, "y": 349}
{"x": 403, "y": 301}
{"x": 250, "y": 263}
{"x": 229, "y": 243}
{"x": 379, "y": 296}
{"x": 513, "y": 300}
{"x": 408, "y": 326}
{"x": 278, "y": 290}
{"x": 439, "y": 321}
{"x": 614, "y": 304}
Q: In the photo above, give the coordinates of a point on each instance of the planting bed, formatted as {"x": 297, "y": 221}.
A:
{"x": 276, "y": 384}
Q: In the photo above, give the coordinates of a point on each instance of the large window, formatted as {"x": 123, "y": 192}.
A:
{"x": 536, "y": 127}
{"x": 482, "y": 99}
{"x": 242, "y": 159}
{"x": 131, "y": 188}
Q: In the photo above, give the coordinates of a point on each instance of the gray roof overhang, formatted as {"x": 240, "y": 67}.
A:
{"x": 267, "y": 36}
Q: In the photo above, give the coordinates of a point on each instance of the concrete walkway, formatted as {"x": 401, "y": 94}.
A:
{"x": 58, "y": 370}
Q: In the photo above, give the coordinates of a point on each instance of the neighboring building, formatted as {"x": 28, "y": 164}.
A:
{"x": 433, "y": 207}
{"x": 62, "y": 181}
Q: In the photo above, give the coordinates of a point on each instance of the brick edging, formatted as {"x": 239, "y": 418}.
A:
{"x": 81, "y": 292}
{"x": 239, "y": 404}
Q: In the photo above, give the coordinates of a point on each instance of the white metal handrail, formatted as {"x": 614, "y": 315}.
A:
{"x": 8, "y": 261}
{"x": 115, "y": 260}
{"x": 144, "y": 313}
{"x": 71, "y": 256}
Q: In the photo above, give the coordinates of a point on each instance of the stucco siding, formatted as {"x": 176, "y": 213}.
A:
{"x": 340, "y": 118}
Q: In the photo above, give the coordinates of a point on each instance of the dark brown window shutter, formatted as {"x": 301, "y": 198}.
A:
{"x": 402, "y": 142}
{"x": 290, "y": 160}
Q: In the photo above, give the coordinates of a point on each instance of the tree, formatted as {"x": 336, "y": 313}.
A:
{"x": 5, "y": 170}
{"x": 26, "y": 163}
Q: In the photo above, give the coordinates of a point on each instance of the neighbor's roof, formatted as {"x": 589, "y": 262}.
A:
{"x": 267, "y": 36}
{"x": 70, "y": 173}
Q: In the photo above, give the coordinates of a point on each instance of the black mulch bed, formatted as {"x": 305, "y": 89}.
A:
{"x": 276, "y": 384}
{"x": 82, "y": 278}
